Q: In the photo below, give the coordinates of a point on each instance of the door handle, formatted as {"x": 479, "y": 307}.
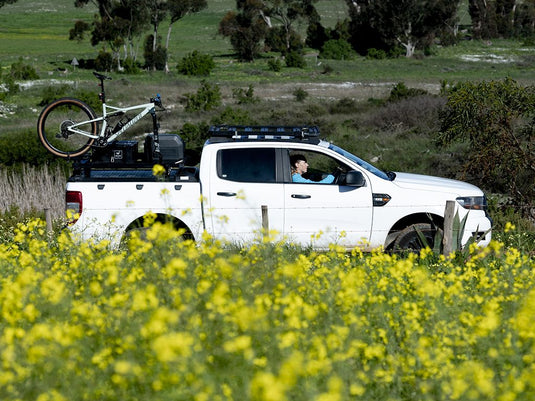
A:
{"x": 226, "y": 193}
{"x": 295, "y": 196}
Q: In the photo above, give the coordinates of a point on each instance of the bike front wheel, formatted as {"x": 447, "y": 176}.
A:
{"x": 54, "y": 123}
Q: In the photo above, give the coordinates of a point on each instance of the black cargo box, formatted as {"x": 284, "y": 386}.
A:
{"x": 117, "y": 153}
{"x": 171, "y": 149}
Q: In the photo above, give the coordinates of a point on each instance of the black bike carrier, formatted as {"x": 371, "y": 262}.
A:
{"x": 227, "y": 133}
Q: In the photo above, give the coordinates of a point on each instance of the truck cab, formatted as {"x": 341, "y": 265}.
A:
{"x": 363, "y": 206}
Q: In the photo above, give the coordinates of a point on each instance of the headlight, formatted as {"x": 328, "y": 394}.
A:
{"x": 473, "y": 202}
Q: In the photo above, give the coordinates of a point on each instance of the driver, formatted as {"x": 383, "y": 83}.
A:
{"x": 300, "y": 166}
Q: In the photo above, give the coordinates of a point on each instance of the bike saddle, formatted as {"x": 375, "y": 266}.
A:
{"x": 100, "y": 76}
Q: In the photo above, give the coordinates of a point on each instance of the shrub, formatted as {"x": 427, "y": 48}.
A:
{"x": 104, "y": 61}
{"x": 295, "y": 59}
{"x": 327, "y": 69}
{"x": 51, "y": 93}
{"x": 207, "y": 98}
{"x": 23, "y": 72}
{"x": 245, "y": 96}
{"x": 344, "y": 106}
{"x": 401, "y": 91}
{"x": 274, "y": 64}
{"x": 131, "y": 66}
{"x": 300, "y": 94}
{"x": 232, "y": 115}
{"x": 90, "y": 98}
{"x": 376, "y": 54}
{"x": 196, "y": 64}
{"x": 194, "y": 135}
{"x": 337, "y": 49}
{"x": 496, "y": 120}
{"x": 154, "y": 59}
{"x": 8, "y": 87}
{"x": 419, "y": 112}
{"x": 24, "y": 147}
{"x": 396, "y": 52}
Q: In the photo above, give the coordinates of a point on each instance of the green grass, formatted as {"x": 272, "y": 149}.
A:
{"x": 41, "y": 30}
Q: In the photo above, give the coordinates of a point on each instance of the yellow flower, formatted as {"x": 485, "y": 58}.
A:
{"x": 509, "y": 227}
{"x": 158, "y": 170}
{"x": 170, "y": 347}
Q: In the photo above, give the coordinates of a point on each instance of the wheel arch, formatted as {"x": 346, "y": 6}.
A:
{"x": 409, "y": 220}
{"x": 161, "y": 218}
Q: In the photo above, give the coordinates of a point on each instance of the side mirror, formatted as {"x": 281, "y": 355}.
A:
{"x": 354, "y": 179}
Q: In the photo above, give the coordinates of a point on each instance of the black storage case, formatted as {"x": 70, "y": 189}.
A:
{"x": 117, "y": 153}
{"x": 171, "y": 149}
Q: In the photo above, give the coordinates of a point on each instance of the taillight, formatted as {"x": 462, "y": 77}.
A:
{"x": 73, "y": 206}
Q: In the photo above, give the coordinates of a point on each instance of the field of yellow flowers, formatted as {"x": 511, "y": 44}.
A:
{"x": 164, "y": 319}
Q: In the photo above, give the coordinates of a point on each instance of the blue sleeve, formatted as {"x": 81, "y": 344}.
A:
{"x": 298, "y": 178}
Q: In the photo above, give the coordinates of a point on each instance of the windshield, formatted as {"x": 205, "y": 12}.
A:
{"x": 362, "y": 163}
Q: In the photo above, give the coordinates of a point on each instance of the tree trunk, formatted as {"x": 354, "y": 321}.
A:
{"x": 167, "y": 48}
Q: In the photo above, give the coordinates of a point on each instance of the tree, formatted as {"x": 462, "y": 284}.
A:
{"x": 497, "y": 121}
{"x": 245, "y": 28}
{"x": 502, "y": 18}
{"x": 178, "y": 9}
{"x": 483, "y": 14}
{"x": 118, "y": 24}
{"x": 4, "y": 2}
{"x": 287, "y": 13}
{"x": 157, "y": 13}
{"x": 385, "y": 24}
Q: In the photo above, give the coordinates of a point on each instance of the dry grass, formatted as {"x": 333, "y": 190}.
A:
{"x": 33, "y": 189}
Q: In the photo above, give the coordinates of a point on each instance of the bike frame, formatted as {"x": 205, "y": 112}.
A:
{"x": 109, "y": 111}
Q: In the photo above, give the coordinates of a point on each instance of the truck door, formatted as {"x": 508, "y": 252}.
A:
{"x": 321, "y": 214}
{"x": 247, "y": 179}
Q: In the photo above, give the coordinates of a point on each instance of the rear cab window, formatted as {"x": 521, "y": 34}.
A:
{"x": 247, "y": 165}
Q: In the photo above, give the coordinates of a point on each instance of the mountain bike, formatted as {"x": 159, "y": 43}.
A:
{"x": 68, "y": 127}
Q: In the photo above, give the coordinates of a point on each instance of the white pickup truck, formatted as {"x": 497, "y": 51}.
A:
{"x": 243, "y": 184}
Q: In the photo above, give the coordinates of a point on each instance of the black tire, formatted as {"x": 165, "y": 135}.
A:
{"x": 56, "y": 117}
{"x": 409, "y": 239}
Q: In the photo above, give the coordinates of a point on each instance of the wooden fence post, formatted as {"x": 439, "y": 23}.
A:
{"x": 447, "y": 240}
{"x": 265, "y": 220}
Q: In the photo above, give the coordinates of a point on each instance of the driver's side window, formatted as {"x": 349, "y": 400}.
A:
{"x": 319, "y": 166}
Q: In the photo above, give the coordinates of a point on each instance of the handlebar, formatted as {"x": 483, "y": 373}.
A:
{"x": 157, "y": 100}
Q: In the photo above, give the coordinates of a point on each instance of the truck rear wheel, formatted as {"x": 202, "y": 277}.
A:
{"x": 410, "y": 239}
{"x": 139, "y": 229}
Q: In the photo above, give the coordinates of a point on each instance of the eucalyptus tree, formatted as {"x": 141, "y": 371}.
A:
{"x": 178, "y": 9}
{"x": 246, "y": 28}
{"x": 4, "y": 2}
{"x": 502, "y": 18}
{"x": 497, "y": 121}
{"x": 386, "y": 24}
{"x": 287, "y": 13}
{"x": 118, "y": 24}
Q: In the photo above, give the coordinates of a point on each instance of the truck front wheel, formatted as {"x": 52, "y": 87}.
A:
{"x": 416, "y": 237}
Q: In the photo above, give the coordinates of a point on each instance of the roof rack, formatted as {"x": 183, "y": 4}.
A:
{"x": 274, "y": 132}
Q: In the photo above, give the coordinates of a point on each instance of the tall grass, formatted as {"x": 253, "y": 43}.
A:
{"x": 30, "y": 190}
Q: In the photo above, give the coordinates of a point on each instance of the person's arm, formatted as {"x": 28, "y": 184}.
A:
{"x": 298, "y": 178}
{"x": 327, "y": 180}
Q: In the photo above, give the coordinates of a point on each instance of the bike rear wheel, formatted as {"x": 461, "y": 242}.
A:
{"x": 53, "y": 124}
